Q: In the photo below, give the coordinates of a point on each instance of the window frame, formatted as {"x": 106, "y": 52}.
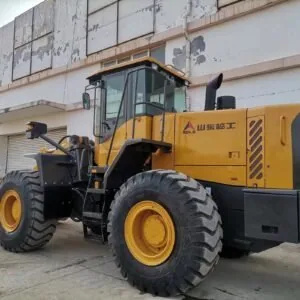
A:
{"x": 231, "y": 2}
{"x": 49, "y": 33}
{"x": 106, "y": 97}
{"x": 117, "y": 3}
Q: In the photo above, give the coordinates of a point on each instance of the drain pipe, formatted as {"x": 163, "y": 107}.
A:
{"x": 187, "y": 14}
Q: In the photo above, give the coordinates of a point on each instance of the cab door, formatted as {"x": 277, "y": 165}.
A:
{"x": 110, "y": 129}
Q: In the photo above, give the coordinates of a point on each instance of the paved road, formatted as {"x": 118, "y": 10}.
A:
{"x": 72, "y": 268}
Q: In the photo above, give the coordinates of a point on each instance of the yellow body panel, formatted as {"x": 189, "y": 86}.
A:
{"x": 241, "y": 147}
{"x": 211, "y": 138}
{"x": 230, "y": 175}
{"x": 143, "y": 129}
{"x": 101, "y": 150}
{"x": 278, "y": 145}
{"x": 161, "y": 160}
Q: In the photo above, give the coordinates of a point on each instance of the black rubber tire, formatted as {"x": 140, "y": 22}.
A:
{"x": 233, "y": 253}
{"x": 33, "y": 232}
{"x": 198, "y": 229}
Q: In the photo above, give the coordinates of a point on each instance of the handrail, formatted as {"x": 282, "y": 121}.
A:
{"x": 117, "y": 120}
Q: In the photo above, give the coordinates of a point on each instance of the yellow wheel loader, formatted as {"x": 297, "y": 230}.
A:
{"x": 162, "y": 184}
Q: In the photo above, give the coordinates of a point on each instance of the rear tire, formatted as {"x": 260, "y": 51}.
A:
{"x": 198, "y": 232}
{"x": 33, "y": 231}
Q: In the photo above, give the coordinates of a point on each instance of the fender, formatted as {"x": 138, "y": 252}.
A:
{"x": 131, "y": 160}
{"x": 56, "y": 181}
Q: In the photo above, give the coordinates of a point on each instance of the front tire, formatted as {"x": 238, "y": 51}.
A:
{"x": 198, "y": 232}
{"x": 31, "y": 231}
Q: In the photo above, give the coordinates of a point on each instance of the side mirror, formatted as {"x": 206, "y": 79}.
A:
{"x": 86, "y": 101}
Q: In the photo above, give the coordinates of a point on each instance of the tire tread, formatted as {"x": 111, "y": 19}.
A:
{"x": 40, "y": 231}
{"x": 206, "y": 236}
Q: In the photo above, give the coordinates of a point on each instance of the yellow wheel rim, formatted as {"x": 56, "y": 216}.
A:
{"x": 149, "y": 233}
{"x": 10, "y": 211}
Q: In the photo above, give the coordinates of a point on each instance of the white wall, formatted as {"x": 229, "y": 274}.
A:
{"x": 274, "y": 88}
{"x": 265, "y": 35}
{"x": 80, "y": 122}
{"x": 66, "y": 89}
{"x": 170, "y": 13}
{"x": 52, "y": 120}
{"x": 268, "y": 34}
{"x": 69, "y": 32}
{"x": 6, "y": 53}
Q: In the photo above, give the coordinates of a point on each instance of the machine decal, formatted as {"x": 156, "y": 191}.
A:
{"x": 190, "y": 128}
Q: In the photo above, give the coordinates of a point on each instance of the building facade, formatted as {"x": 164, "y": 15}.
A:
{"x": 47, "y": 53}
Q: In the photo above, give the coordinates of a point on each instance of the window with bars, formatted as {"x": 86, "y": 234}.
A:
{"x": 33, "y": 40}
{"x": 112, "y": 22}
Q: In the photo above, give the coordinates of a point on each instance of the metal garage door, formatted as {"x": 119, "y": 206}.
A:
{"x": 18, "y": 145}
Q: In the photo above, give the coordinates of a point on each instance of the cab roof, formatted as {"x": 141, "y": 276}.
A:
{"x": 146, "y": 61}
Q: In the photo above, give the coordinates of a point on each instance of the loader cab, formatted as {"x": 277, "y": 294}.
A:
{"x": 124, "y": 96}
{"x": 141, "y": 87}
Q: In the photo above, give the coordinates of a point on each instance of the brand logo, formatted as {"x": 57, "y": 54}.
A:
{"x": 189, "y": 128}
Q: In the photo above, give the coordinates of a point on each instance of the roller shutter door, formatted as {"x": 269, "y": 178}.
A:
{"x": 19, "y": 145}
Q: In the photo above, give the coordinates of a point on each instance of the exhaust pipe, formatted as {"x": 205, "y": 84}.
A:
{"x": 211, "y": 92}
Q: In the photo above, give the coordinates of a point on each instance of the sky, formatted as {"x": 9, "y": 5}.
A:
{"x": 9, "y": 9}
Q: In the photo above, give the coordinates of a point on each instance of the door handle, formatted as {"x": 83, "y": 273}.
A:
{"x": 283, "y": 130}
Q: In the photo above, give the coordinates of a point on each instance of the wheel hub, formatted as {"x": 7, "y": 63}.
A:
{"x": 10, "y": 211}
{"x": 149, "y": 233}
{"x": 154, "y": 231}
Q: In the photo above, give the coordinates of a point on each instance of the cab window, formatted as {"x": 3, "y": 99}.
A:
{"x": 114, "y": 91}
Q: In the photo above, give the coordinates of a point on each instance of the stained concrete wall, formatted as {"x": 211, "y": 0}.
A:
{"x": 258, "y": 37}
{"x": 43, "y": 21}
{"x": 22, "y": 45}
{"x": 54, "y": 33}
{"x": 70, "y": 32}
{"x": 6, "y": 53}
{"x": 119, "y": 22}
{"x": 42, "y": 46}
{"x": 265, "y": 35}
{"x": 170, "y": 13}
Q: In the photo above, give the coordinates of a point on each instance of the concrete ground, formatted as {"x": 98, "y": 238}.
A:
{"x": 72, "y": 268}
